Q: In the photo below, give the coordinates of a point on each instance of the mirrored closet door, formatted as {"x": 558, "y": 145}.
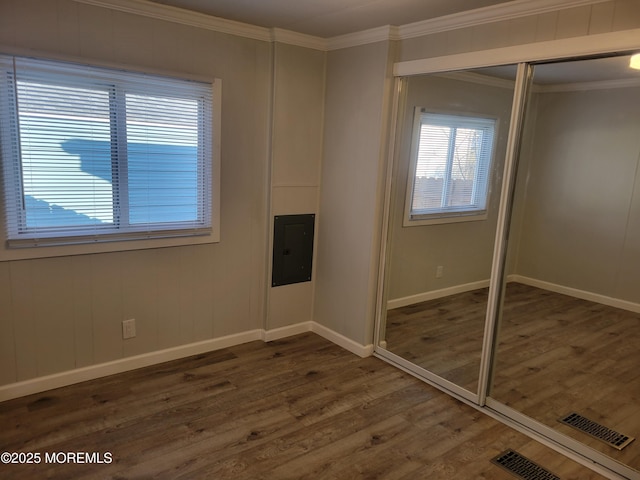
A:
{"x": 568, "y": 344}
{"x": 512, "y": 264}
{"x": 453, "y": 130}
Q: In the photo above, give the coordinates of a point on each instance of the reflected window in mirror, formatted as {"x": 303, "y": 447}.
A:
{"x": 438, "y": 271}
{"x": 450, "y": 163}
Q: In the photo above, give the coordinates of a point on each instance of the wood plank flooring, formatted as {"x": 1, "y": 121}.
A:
{"x": 556, "y": 354}
{"x": 299, "y": 408}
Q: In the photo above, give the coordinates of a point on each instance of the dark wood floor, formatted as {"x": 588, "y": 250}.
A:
{"x": 300, "y": 408}
{"x": 556, "y": 354}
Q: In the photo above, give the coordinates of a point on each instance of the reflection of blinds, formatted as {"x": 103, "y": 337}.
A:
{"x": 92, "y": 151}
{"x": 452, "y": 165}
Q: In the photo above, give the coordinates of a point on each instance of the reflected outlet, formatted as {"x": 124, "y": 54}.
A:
{"x": 129, "y": 328}
{"x": 439, "y": 271}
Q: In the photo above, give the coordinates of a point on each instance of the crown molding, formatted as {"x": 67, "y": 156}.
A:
{"x": 470, "y": 18}
{"x": 493, "y": 13}
{"x": 504, "y": 11}
{"x": 200, "y": 20}
{"x": 298, "y": 39}
{"x": 373, "y": 35}
{"x": 480, "y": 79}
{"x": 183, "y": 16}
{"x": 487, "y": 80}
{"x": 587, "y": 86}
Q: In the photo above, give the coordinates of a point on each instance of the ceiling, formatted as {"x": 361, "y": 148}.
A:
{"x": 329, "y": 18}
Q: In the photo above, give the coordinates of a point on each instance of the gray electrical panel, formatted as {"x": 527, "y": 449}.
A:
{"x": 292, "y": 249}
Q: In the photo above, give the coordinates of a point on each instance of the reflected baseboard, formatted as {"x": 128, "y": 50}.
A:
{"x": 574, "y": 292}
{"x": 532, "y": 282}
{"x": 433, "y": 294}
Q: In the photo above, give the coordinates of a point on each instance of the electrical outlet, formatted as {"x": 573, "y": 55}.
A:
{"x": 439, "y": 271}
{"x": 129, "y": 328}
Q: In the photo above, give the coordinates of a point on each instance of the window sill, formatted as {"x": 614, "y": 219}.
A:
{"x": 8, "y": 254}
{"x": 437, "y": 219}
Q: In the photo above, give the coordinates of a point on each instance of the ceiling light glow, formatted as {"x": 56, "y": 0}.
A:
{"x": 635, "y": 61}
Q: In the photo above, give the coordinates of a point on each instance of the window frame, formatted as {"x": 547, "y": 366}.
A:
{"x": 453, "y": 215}
{"x": 113, "y": 240}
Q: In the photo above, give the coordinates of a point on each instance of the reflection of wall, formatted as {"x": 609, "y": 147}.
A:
{"x": 580, "y": 224}
{"x": 463, "y": 249}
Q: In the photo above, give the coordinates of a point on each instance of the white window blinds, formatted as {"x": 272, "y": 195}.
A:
{"x": 92, "y": 154}
{"x": 450, "y": 168}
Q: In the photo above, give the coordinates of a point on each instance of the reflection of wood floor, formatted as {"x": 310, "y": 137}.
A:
{"x": 418, "y": 333}
{"x": 295, "y": 409}
{"x": 556, "y": 354}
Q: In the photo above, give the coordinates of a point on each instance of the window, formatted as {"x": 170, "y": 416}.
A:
{"x": 449, "y": 174}
{"x": 92, "y": 154}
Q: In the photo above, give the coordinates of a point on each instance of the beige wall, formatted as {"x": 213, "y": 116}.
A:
{"x": 61, "y": 313}
{"x": 581, "y": 216}
{"x": 356, "y": 113}
{"x": 298, "y": 116}
{"x": 463, "y": 249}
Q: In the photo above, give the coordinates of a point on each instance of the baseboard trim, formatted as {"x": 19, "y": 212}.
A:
{"x": 283, "y": 332}
{"x": 577, "y": 293}
{"x": 433, "y": 294}
{"x": 342, "y": 341}
{"x": 92, "y": 372}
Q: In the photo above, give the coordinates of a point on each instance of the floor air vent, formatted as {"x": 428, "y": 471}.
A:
{"x": 602, "y": 433}
{"x": 522, "y": 467}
